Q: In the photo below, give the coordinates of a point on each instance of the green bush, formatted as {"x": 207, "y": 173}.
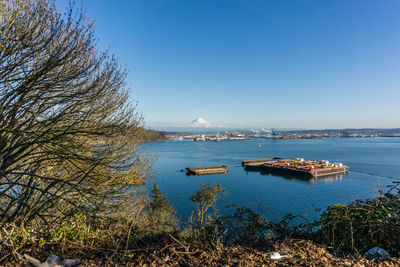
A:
{"x": 362, "y": 224}
{"x": 243, "y": 227}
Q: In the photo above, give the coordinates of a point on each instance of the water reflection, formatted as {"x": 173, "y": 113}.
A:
{"x": 193, "y": 174}
{"x": 299, "y": 177}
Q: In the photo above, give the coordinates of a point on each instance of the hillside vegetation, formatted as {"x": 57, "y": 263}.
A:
{"x": 152, "y": 135}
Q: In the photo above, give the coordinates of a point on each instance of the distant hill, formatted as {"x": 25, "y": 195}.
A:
{"x": 152, "y": 135}
{"x": 376, "y": 131}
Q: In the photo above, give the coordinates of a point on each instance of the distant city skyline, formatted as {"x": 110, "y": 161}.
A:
{"x": 272, "y": 64}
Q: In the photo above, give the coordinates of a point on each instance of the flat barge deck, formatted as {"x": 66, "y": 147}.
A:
{"x": 207, "y": 170}
{"x": 296, "y": 167}
{"x": 257, "y": 162}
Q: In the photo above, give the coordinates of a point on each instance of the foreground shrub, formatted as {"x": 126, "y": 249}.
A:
{"x": 363, "y": 224}
{"x": 243, "y": 227}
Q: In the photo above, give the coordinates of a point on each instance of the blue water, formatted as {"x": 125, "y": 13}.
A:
{"x": 273, "y": 196}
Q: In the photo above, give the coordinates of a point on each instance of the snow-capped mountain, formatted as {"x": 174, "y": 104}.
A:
{"x": 201, "y": 123}
{"x": 198, "y": 125}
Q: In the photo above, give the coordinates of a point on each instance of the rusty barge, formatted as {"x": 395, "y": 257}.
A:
{"x": 298, "y": 166}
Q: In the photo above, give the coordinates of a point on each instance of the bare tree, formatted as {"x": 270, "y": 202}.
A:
{"x": 67, "y": 129}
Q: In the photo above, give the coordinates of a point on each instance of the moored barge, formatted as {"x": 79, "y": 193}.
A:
{"x": 257, "y": 162}
{"x": 297, "y": 167}
{"x": 207, "y": 170}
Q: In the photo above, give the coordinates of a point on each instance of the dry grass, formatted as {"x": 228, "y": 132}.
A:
{"x": 301, "y": 253}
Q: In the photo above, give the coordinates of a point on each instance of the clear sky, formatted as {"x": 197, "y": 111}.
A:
{"x": 271, "y": 64}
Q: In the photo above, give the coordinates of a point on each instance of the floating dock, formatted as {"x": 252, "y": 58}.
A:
{"x": 207, "y": 170}
{"x": 296, "y": 167}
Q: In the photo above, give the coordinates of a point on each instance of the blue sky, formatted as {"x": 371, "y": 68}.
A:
{"x": 271, "y": 64}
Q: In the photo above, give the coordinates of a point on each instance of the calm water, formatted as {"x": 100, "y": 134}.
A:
{"x": 273, "y": 195}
